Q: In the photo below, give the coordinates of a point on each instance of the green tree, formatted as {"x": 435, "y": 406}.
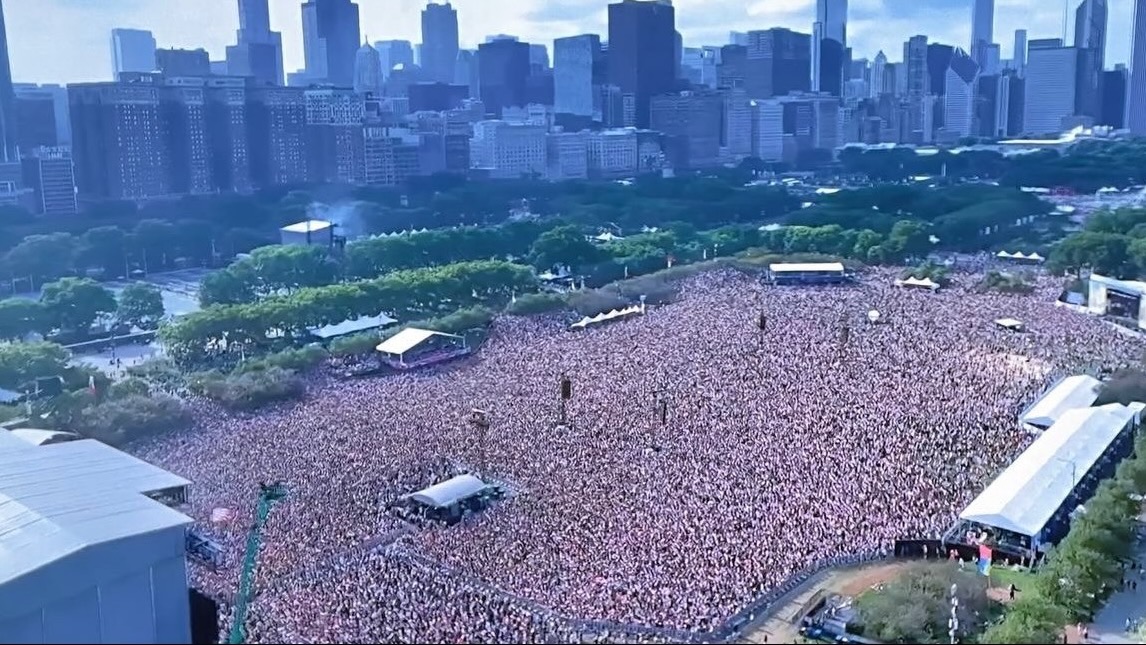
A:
{"x": 20, "y": 317}
{"x": 103, "y": 247}
{"x": 289, "y": 267}
{"x": 231, "y": 286}
{"x": 155, "y": 242}
{"x": 21, "y": 363}
{"x": 914, "y": 607}
{"x": 563, "y": 246}
{"x": 42, "y": 256}
{"x": 118, "y": 421}
{"x": 1105, "y": 253}
{"x": 140, "y": 305}
{"x": 73, "y": 304}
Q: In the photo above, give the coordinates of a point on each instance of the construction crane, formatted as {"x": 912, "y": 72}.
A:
{"x": 269, "y": 495}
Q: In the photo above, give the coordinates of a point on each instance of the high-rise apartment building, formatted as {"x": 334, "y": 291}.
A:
{"x": 1136, "y": 90}
{"x": 278, "y": 136}
{"x": 8, "y": 136}
{"x": 1090, "y": 20}
{"x": 118, "y": 140}
{"x": 982, "y": 30}
{"x": 642, "y": 47}
{"x": 503, "y": 67}
{"x": 578, "y": 70}
{"x": 330, "y": 39}
{"x": 779, "y": 61}
{"x": 1051, "y": 86}
{"x": 829, "y": 54}
{"x": 439, "y": 42}
{"x": 334, "y": 144}
{"x": 132, "y": 50}
{"x": 258, "y": 51}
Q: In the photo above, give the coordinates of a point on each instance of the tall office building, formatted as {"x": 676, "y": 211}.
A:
{"x": 1051, "y": 86}
{"x": 368, "y": 76}
{"x": 779, "y": 61}
{"x": 439, "y": 42}
{"x": 959, "y": 95}
{"x": 1136, "y": 91}
{"x": 132, "y": 50}
{"x": 258, "y": 51}
{"x": 878, "y": 84}
{"x": 1114, "y": 98}
{"x": 1019, "y": 55}
{"x": 394, "y": 52}
{"x": 49, "y": 172}
{"x": 8, "y": 136}
{"x": 738, "y": 38}
{"x": 829, "y": 46}
{"x": 982, "y": 30}
{"x": 730, "y": 72}
{"x": 278, "y": 136}
{"x": 577, "y": 68}
{"x": 1090, "y": 22}
{"x": 691, "y": 124}
{"x": 330, "y": 39}
{"x": 642, "y": 46}
{"x": 503, "y": 66}
{"x": 39, "y": 117}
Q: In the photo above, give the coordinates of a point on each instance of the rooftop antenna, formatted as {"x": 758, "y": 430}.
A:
{"x": 1065, "y": 17}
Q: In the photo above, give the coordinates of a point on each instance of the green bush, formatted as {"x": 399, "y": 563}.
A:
{"x": 298, "y": 360}
{"x": 537, "y": 303}
{"x": 251, "y": 390}
{"x": 914, "y": 607}
{"x": 130, "y": 386}
{"x": 594, "y": 301}
{"x": 119, "y": 421}
{"x": 1005, "y": 283}
{"x": 355, "y": 344}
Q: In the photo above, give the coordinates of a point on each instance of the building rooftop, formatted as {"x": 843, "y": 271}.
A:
{"x": 309, "y": 226}
{"x": 56, "y": 500}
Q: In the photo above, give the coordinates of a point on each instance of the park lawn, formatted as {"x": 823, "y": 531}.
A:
{"x": 1022, "y": 578}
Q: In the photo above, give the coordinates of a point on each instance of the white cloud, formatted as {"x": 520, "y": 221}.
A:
{"x": 67, "y": 40}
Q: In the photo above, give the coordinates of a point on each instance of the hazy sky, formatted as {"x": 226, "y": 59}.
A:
{"x": 63, "y": 41}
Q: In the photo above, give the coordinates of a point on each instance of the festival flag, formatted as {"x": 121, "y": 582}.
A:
{"x": 985, "y": 559}
{"x": 92, "y": 384}
{"x": 670, "y": 260}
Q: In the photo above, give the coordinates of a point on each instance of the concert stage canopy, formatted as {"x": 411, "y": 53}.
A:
{"x": 408, "y": 339}
{"x": 1025, "y": 496}
{"x": 449, "y": 492}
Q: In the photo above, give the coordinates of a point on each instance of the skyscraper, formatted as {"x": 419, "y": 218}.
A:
{"x": 258, "y": 51}
{"x": 779, "y": 62}
{"x": 576, "y": 76}
{"x": 394, "y": 52}
{"x": 878, "y": 85}
{"x": 330, "y": 39}
{"x": 132, "y": 50}
{"x": 1051, "y": 86}
{"x": 1090, "y": 41}
{"x": 439, "y": 42}
{"x": 504, "y": 73}
{"x": 1136, "y": 92}
{"x": 959, "y": 96}
{"x": 982, "y": 29}
{"x": 1019, "y": 55}
{"x": 8, "y": 138}
{"x": 642, "y": 46}
{"x": 829, "y": 46}
{"x": 368, "y": 71}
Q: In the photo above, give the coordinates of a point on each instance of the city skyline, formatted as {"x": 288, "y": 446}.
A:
{"x": 73, "y": 47}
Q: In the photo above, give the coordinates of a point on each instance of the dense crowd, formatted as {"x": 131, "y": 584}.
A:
{"x": 824, "y": 435}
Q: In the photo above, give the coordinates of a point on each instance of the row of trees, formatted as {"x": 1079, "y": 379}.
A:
{"x": 69, "y": 307}
{"x": 1086, "y": 167}
{"x": 1112, "y": 243}
{"x": 1085, "y": 567}
{"x": 286, "y": 319}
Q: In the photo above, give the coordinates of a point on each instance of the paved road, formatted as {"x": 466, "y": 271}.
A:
{"x": 1110, "y": 624}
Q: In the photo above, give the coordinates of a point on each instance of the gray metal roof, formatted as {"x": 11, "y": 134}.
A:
{"x": 452, "y": 490}
{"x": 58, "y": 499}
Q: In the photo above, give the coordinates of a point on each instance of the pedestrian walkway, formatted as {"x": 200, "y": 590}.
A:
{"x": 1109, "y": 625}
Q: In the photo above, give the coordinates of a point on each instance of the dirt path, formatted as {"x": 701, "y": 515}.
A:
{"x": 779, "y": 624}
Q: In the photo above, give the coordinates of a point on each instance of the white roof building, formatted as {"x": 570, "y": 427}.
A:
{"x": 85, "y": 555}
{"x": 1080, "y": 391}
{"x": 1034, "y": 487}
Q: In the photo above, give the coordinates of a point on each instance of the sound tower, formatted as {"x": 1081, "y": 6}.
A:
{"x": 763, "y": 322}
{"x": 566, "y": 388}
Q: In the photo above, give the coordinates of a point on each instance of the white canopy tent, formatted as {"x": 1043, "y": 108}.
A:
{"x": 409, "y": 338}
{"x": 806, "y": 267}
{"x": 1079, "y": 391}
{"x": 922, "y": 283}
{"x": 1018, "y": 255}
{"x": 1010, "y": 324}
{"x": 1032, "y": 489}
{"x": 449, "y": 492}
{"x": 605, "y": 317}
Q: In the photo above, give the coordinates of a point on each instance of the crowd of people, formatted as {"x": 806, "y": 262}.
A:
{"x": 705, "y": 460}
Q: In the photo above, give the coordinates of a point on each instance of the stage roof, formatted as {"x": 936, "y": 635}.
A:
{"x": 38, "y": 437}
{"x": 806, "y": 267}
{"x": 59, "y": 499}
{"x": 453, "y": 489}
{"x": 1025, "y": 495}
{"x": 408, "y": 339}
{"x": 1078, "y": 391}
{"x": 308, "y": 226}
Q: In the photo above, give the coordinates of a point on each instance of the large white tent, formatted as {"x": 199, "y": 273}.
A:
{"x": 454, "y": 489}
{"x": 1079, "y": 391}
{"x": 1032, "y": 489}
{"x": 408, "y": 339}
